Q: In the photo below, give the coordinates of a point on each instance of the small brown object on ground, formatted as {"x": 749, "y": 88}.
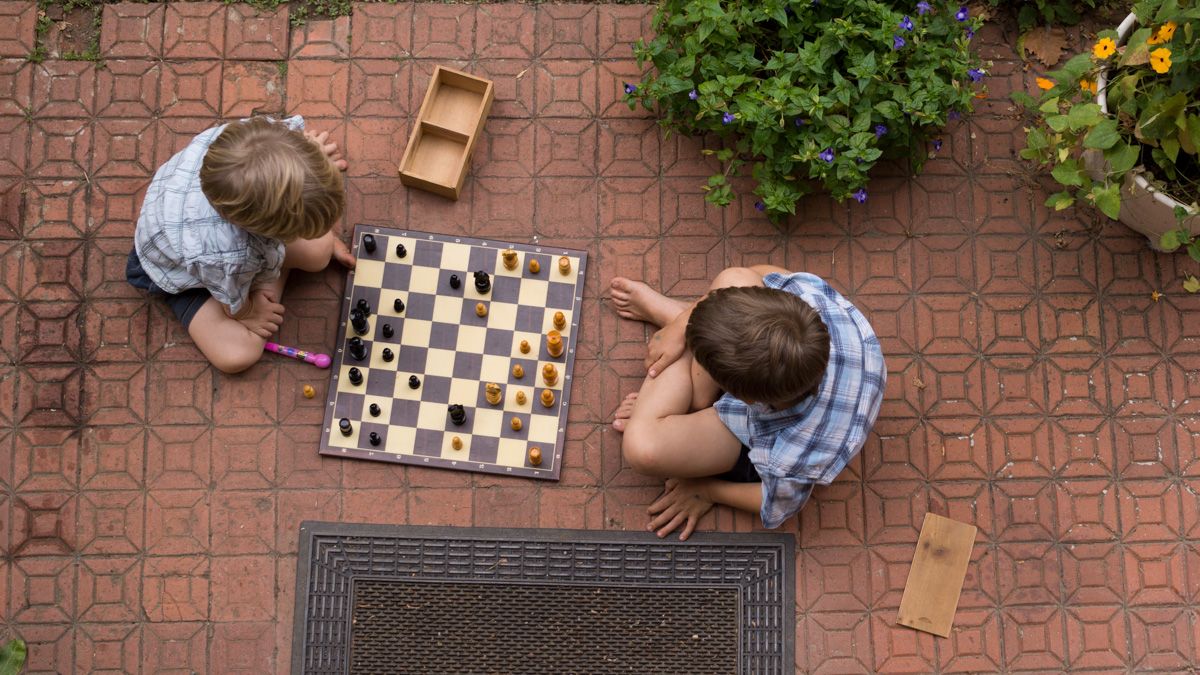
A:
{"x": 534, "y": 266}
{"x": 309, "y": 392}
{"x": 554, "y": 343}
{"x": 935, "y": 579}
{"x": 547, "y": 398}
{"x": 493, "y": 394}
{"x": 560, "y": 320}
{"x": 535, "y": 456}
{"x": 516, "y": 424}
{"x": 518, "y": 371}
{"x": 564, "y": 265}
{"x": 550, "y": 374}
{"x": 520, "y": 398}
{"x": 480, "y": 309}
{"x": 456, "y": 443}
{"x": 509, "y": 258}
{"x": 524, "y": 346}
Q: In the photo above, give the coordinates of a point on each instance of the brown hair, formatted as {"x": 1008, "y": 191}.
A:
{"x": 760, "y": 344}
{"x": 272, "y": 181}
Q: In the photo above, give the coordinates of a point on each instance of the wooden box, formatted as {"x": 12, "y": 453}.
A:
{"x": 451, "y": 118}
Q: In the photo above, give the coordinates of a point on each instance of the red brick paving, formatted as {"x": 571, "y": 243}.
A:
{"x": 149, "y": 506}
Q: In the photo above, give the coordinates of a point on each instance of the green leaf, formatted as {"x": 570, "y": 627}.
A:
{"x": 1191, "y": 284}
{"x": 1060, "y": 200}
{"x": 1068, "y": 173}
{"x": 1194, "y": 250}
{"x": 1169, "y": 241}
{"x": 1058, "y": 123}
{"x": 1085, "y": 115}
{"x": 1108, "y": 200}
{"x": 12, "y": 657}
{"x": 1121, "y": 157}
{"x": 1102, "y": 136}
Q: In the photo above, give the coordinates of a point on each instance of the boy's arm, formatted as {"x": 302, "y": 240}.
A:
{"x": 686, "y": 500}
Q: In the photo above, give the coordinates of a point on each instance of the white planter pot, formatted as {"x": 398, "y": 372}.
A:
{"x": 1144, "y": 208}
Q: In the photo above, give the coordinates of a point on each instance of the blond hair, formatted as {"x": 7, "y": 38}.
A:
{"x": 760, "y": 344}
{"x": 272, "y": 181}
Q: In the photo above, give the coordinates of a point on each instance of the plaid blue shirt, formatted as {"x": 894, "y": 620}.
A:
{"x": 183, "y": 243}
{"x": 809, "y": 444}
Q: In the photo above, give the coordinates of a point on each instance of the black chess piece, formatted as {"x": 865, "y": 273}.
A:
{"x": 401, "y": 252}
{"x": 398, "y": 305}
{"x": 455, "y": 282}
{"x": 374, "y": 438}
{"x": 363, "y": 306}
{"x": 345, "y": 427}
{"x": 357, "y": 348}
{"x": 414, "y": 382}
{"x": 387, "y": 355}
{"x": 359, "y": 322}
{"x": 356, "y": 376}
{"x": 387, "y": 330}
{"x": 374, "y": 410}
{"x": 457, "y": 415}
{"x": 483, "y": 282}
{"x": 368, "y": 243}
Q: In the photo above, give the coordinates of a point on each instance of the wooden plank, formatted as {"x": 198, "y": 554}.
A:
{"x": 936, "y": 577}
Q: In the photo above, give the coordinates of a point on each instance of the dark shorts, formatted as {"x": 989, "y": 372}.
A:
{"x": 743, "y": 471}
{"x": 185, "y": 304}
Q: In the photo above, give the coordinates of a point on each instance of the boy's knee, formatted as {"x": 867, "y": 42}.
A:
{"x": 639, "y": 449}
{"x": 233, "y": 359}
{"x": 736, "y": 276}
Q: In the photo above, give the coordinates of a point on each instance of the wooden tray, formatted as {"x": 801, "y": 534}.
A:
{"x": 451, "y": 118}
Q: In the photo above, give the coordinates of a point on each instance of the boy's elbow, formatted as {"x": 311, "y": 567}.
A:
{"x": 736, "y": 276}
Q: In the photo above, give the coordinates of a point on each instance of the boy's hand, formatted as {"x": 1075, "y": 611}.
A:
{"x": 265, "y": 314}
{"x": 329, "y": 148}
{"x": 342, "y": 253}
{"x": 684, "y": 503}
{"x": 665, "y": 348}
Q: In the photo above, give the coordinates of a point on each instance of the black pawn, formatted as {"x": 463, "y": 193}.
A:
{"x": 457, "y": 415}
{"x": 363, "y": 306}
{"x": 369, "y": 243}
{"x": 387, "y": 330}
{"x": 359, "y": 322}
{"x": 483, "y": 283}
{"x": 344, "y": 427}
{"x": 401, "y": 252}
{"x": 387, "y": 355}
{"x": 455, "y": 283}
{"x": 374, "y": 438}
{"x": 414, "y": 382}
{"x": 398, "y": 305}
{"x": 358, "y": 348}
{"x": 355, "y": 376}
{"x": 374, "y": 410}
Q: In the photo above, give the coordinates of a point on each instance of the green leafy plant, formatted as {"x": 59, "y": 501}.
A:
{"x": 1153, "y": 126}
{"x": 1181, "y": 237}
{"x": 808, "y": 92}
{"x": 12, "y": 657}
{"x": 1031, "y": 13}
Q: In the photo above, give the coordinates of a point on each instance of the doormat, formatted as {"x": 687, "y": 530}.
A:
{"x": 401, "y": 599}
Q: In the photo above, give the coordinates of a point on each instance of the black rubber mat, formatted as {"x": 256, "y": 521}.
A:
{"x": 390, "y": 599}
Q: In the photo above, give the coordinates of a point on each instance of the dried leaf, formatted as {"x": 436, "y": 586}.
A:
{"x": 1044, "y": 43}
{"x": 1191, "y": 284}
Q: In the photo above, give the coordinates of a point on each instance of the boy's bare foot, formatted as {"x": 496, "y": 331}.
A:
{"x": 624, "y": 411}
{"x": 637, "y": 301}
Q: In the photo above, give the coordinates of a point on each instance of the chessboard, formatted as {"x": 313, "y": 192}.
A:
{"x": 413, "y": 346}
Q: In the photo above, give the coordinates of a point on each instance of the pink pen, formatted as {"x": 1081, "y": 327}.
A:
{"x": 318, "y": 360}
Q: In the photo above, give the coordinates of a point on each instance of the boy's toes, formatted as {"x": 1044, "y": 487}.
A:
{"x": 619, "y": 425}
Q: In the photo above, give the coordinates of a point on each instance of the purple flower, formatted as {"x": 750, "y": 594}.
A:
{"x": 826, "y": 154}
{"x": 898, "y": 42}
{"x": 880, "y": 130}
{"x": 962, "y": 13}
{"x": 860, "y": 195}
{"x": 906, "y": 23}
{"x": 937, "y": 144}
{"x": 975, "y": 74}
{"x": 954, "y": 115}
{"x": 799, "y": 122}
{"x": 760, "y": 206}
{"x": 923, "y": 8}
{"x": 630, "y": 88}
{"x": 693, "y": 94}
{"x": 970, "y": 33}
{"x": 727, "y": 118}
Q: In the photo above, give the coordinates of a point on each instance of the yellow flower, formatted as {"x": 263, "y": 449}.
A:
{"x": 1104, "y": 48}
{"x": 1160, "y": 60}
{"x": 1043, "y": 83}
{"x": 1167, "y": 31}
{"x": 1155, "y": 296}
{"x": 1087, "y": 86}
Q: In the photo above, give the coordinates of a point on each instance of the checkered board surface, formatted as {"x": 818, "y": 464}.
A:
{"x": 440, "y": 339}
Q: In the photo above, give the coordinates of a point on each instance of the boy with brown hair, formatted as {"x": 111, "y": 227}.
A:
{"x": 226, "y": 218}
{"x": 761, "y": 390}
